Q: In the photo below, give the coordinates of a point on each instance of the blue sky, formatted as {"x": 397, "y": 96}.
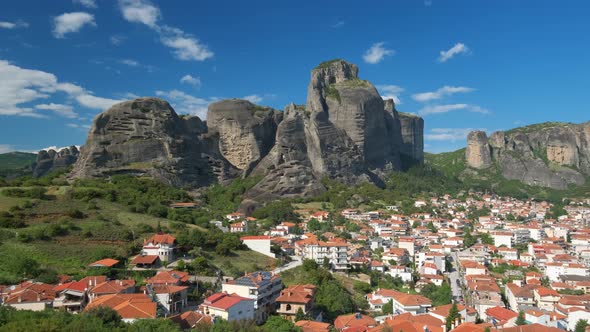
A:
{"x": 489, "y": 65}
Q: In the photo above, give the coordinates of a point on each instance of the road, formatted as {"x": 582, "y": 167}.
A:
{"x": 455, "y": 278}
{"x": 295, "y": 262}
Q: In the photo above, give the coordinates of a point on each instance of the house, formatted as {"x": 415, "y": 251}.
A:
{"x": 402, "y": 302}
{"x": 467, "y": 314}
{"x": 377, "y": 266}
{"x": 499, "y": 316}
{"x": 239, "y": 227}
{"x": 172, "y": 298}
{"x": 335, "y": 252}
{"x": 130, "y": 307}
{"x": 546, "y": 298}
{"x": 502, "y": 238}
{"x": 108, "y": 287}
{"x": 165, "y": 278}
{"x": 28, "y": 295}
{"x": 161, "y": 245}
{"x": 312, "y": 326}
{"x": 321, "y": 216}
{"x": 294, "y": 298}
{"x": 107, "y": 262}
{"x": 228, "y": 306}
{"x": 261, "y": 244}
{"x": 354, "y": 321}
{"x": 190, "y": 319}
{"x": 473, "y": 268}
{"x": 261, "y": 286}
{"x": 146, "y": 261}
{"x": 519, "y": 297}
{"x": 403, "y": 272}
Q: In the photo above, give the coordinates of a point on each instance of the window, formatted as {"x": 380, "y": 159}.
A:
{"x": 288, "y": 308}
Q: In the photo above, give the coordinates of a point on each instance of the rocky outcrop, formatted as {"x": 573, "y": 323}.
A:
{"x": 477, "y": 152}
{"x": 145, "y": 136}
{"x": 553, "y": 155}
{"x": 345, "y": 132}
{"x": 51, "y": 160}
{"x": 412, "y": 132}
{"x": 246, "y": 131}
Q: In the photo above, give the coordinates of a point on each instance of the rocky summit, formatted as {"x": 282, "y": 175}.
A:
{"x": 345, "y": 132}
{"x": 51, "y": 160}
{"x": 553, "y": 155}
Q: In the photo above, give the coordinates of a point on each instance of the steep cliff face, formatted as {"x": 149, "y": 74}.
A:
{"x": 345, "y": 132}
{"x": 146, "y": 137}
{"x": 477, "y": 152}
{"x": 246, "y": 131}
{"x": 553, "y": 155}
{"x": 412, "y": 134}
{"x": 51, "y": 160}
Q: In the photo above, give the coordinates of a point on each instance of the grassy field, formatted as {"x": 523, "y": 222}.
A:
{"x": 241, "y": 262}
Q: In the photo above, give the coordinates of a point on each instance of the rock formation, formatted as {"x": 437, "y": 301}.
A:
{"x": 345, "y": 132}
{"x": 553, "y": 155}
{"x": 477, "y": 152}
{"x": 51, "y": 160}
{"x": 146, "y": 137}
{"x": 246, "y": 131}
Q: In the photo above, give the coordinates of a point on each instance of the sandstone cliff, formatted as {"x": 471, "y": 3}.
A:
{"x": 146, "y": 137}
{"x": 51, "y": 160}
{"x": 552, "y": 155}
{"x": 345, "y": 132}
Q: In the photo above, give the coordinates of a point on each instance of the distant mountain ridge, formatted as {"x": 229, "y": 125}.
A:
{"x": 552, "y": 155}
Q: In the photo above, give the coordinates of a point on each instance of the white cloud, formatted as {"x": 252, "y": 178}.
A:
{"x": 21, "y": 86}
{"x": 255, "y": 99}
{"x": 185, "y": 103}
{"x": 71, "y": 22}
{"x": 61, "y": 109}
{"x": 338, "y": 24}
{"x": 377, "y": 53}
{"x": 140, "y": 11}
{"x": 185, "y": 46}
{"x": 439, "y": 109}
{"x": 13, "y": 25}
{"x": 5, "y": 148}
{"x": 449, "y": 134}
{"x": 129, "y": 62}
{"x": 117, "y": 39}
{"x": 86, "y": 3}
{"x": 94, "y": 102}
{"x": 458, "y": 48}
{"x": 390, "y": 92}
{"x": 189, "y": 79}
{"x": 441, "y": 92}
{"x": 78, "y": 126}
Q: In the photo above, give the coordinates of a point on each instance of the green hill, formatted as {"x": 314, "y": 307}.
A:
{"x": 16, "y": 163}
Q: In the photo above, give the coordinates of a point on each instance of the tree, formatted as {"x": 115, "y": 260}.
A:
{"x": 299, "y": 315}
{"x": 279, "y": 324}
{"x": 387, "y": 308}
{"x": 487, "y": 329}
{"x": 453, "y": 316}
{"x": 520, "y": 320}
{"x": 581, "y": 325}
{"x": 313, "y": 225}
{"x": 431, "y": 227}
{"x": 326, "y": 263}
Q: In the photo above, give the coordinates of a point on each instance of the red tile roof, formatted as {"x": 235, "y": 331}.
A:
{"x": 107, "y": 262}
{"x": 501, "y": 314}
{"x": 224, "y": 301}
{"x": 128, "y": 306}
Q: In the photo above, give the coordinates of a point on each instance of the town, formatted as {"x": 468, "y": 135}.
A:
{"x": 473, "y": 263}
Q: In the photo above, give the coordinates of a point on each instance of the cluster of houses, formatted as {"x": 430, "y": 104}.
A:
{"x": 508, "y": 265}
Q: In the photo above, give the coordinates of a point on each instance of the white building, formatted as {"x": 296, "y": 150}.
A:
{"x": 228, "y": 306}
{"x": 335, "y": 252}
{"x": 263, "y": 287}
{"x": 161, "y": 245}
{"x": 259, "y": 244}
